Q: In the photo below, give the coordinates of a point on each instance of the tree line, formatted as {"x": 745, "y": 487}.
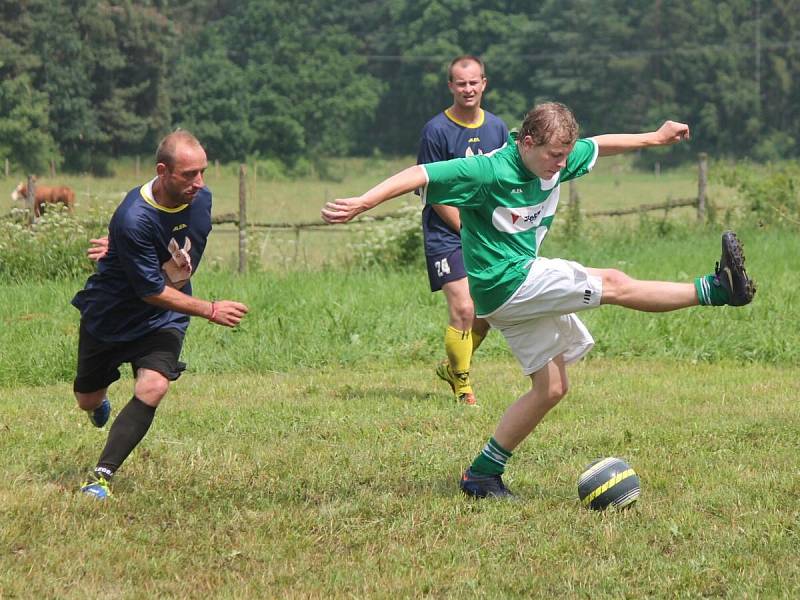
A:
{"x": 84, "y": 81}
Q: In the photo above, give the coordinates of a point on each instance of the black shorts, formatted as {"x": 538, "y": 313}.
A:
{"x": 98, "y": 362}
{"x": 445, "y": 268}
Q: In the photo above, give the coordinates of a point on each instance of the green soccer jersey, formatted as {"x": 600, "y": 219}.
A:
{"x": 505, "y": 213}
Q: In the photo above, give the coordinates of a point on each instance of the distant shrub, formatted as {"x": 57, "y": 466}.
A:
{"x": 52, "y": 248}
{"x": 771, "y": 192}
{"x": 392, "y": 242}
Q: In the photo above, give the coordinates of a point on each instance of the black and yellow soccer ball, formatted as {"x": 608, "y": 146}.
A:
{"x": 608, "y": 482}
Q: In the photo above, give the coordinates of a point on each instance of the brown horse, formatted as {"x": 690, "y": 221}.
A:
{"x": 46, "y": 195}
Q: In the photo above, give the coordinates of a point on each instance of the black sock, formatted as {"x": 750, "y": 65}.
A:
{"x": 126, "y": 432}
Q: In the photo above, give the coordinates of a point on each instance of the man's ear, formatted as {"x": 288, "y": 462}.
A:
{"x": 161, "y": 169}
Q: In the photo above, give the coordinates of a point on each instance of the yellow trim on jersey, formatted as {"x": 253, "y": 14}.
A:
{"x": 146, "y": 191}
{"x": 461, "y": 123}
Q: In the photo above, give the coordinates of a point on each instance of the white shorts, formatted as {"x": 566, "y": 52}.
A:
{"x": 538, "y": 321}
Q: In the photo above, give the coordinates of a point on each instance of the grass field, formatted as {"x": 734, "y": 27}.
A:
{"x": 341, "y": 483}
{"x": 312, "y": 453}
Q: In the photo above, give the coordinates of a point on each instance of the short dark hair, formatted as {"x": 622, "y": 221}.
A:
{"x": 550, "y": 121}
{"x": 166, "y": 151}
{"x": 465, "y": 58}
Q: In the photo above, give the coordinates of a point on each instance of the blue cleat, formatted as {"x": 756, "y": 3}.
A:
{"x": 99, "y": 416}
{"x": 96, "y": 486}
{"x": 484, "y": 486}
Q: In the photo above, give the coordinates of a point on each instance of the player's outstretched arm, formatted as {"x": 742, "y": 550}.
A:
{"x": 221, "y": 312}
{"x": 671, "y": 132}
{"x": 345, "y": 209}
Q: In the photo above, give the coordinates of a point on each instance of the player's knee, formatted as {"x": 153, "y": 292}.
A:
{"x": 151, "y": 389}
{"x": 89, "y": 401}
{"x": 556, "y": 391}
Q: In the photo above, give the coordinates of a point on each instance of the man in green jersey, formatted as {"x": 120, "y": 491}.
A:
{"x": 507, "y": 201}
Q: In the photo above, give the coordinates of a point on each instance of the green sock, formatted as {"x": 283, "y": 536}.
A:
{"x": 709, "y": 291}
{"x": 492, "y": 459}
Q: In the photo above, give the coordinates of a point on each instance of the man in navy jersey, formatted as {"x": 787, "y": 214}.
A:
{"x": 462, "y": 130}
{"x": 136, "y": 307}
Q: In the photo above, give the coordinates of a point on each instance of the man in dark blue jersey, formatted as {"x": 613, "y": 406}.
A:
{"x": 462, "y": 130}
{"x": 136, "y": 307}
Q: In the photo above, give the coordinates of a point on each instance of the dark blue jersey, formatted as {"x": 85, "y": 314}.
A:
{"x": 148, "y": 249}
{"x": 445, "y": 138}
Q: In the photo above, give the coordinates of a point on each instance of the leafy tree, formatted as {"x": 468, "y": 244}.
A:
{"x": 24, "y": 128}
{"x": 210, "y": 99}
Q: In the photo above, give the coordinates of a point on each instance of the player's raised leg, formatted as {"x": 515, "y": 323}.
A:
{"x": 728, "y": 284}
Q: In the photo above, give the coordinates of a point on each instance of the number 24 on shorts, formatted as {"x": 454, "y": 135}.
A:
{"x": 442, "y": 267}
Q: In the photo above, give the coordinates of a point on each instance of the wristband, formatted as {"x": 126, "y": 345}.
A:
{"x": 213, "y": 311}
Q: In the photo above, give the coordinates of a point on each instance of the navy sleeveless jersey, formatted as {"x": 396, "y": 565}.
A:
{"x": 445, "y": 138}
{"x": 140, "y": 233}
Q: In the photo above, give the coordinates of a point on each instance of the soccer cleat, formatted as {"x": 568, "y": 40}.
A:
{"x": 483, "y": 486}
{"x": 730, "y": 272}
{"x": 96, "y": 486}
{"x": 99, "y": 416}
{"x": 445, "y": 373}
{"x": 468, "y": 398}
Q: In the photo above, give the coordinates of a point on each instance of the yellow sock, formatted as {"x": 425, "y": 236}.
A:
{"x": 458, "y": 345}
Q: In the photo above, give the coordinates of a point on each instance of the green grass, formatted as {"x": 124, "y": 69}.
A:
{"x": 311, "y": 452}
{"x": 343, "y": 483}
{"x": 312, "y": 319}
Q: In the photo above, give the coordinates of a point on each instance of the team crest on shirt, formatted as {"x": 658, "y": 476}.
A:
{"x": 178, "y": 269}
{"x": 518, "y": 219}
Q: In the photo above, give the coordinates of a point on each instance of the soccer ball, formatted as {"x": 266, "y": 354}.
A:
{"x": 608, "y": 482}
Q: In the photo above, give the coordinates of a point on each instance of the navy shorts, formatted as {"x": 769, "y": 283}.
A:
{"x": 445, "y": 268}
{"x": 98, "y": 361}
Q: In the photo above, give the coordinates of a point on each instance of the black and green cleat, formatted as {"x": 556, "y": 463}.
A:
{"x": 730, "y": 272}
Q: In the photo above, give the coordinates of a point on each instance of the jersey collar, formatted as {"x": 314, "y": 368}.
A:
{"x": 146, "y": 191}
{"x": 462, "y": 124}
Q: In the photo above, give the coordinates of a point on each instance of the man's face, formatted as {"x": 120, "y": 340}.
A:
{"x": 185, "y": 178}
{"x": 544, "y": 160}
{"x": 467, "y": 84}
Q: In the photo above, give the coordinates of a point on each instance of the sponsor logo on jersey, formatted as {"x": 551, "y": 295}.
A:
{"x": 515, "y": 220}
{"x": 179, "y": 227}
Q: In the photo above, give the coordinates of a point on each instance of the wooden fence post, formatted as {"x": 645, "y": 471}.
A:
{"x": 8, "y": 168}
{"x": 52, "y": 168}
{"x": 216, "y": 168}
{"x": 254, "y": 187}
{"x": 137, "y": 166}
{"x": 242, "y": 220}
{"x": 702, "y": 182}
{"x": 573, "y": 211}
{"x": 30, "y": 200}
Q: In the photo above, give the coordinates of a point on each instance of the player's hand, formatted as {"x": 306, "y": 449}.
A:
{"x": 98, "y": 248}
{"x": 672, "y": 132}
{"x": 227, "y": 312}
{"x": 342, "y": 210}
